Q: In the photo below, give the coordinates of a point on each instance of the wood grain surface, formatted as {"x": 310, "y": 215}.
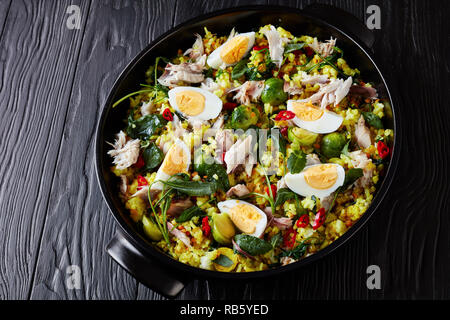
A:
{"x": 54, "y": 82}
{"x": 39, "y": 58}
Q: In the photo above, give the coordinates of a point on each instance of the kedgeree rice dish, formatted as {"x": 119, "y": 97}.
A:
{"x": 250, "y": 151}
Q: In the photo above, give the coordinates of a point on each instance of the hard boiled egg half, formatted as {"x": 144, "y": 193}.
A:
{"x": 177, "y": 160}
{"x": 195, "y": 103}
{"x": 318, "y": 180}
{"x": 312, "y": 118}
{"x": 232, "y": 51}
{"x": 248, "y": 218}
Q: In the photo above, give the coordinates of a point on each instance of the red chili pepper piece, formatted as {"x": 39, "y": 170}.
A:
{"x": 140, "y": 162}
{"x": 167, "y": 114}
{"x": 309, "y": 52}
{"x": 285, "y": 115}
{"x": 258, "y": 48}
{"x": 229, "y": 105}
{"x": 279, "y": 116}
{"x": 289, "y": 237}
{"x": 274, "y": 190}
{"x": 284, "y": 131}
{"x": 303, "y": 221}
{"x": 319, "y": 219}
{"x": 141, "y": 182}
{"x": 289, "y": 115}
{"x": 223, "y": 157}
{"x": 206, "y": 227}
{"x": 383, "y": 149}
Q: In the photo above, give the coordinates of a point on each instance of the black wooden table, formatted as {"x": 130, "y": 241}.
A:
{"x": 54, "y": 81}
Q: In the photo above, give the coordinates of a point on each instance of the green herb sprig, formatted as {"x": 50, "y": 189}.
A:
{"x": 154, "y": 90}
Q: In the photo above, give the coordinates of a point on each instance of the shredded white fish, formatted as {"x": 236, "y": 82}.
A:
{"x": 123, "y": 184}
{"x": 248, "y": 92}
{"x": 147, "y": 108}
{"x": 362, "y": 134}
{"x": 179, "y": 234}
{"x": 365, "y": 92}
{"x": 326, "y": 201}
{"x": 224, "y": 141}
{"x": 292, "y": 89}
{"x": 313, "y": 79}
{"x": 218, "y": 124}
{"x": 178, "y": 130}
{"x": 165, "y": 145}
{"x": 360, "y": 160}
{"x": 311, "y": 159}
{"x": 210, "y": 85}
{"x": 186, "y": 72}
{"x": 333, "y": 92}
{"x": 281, "y": 184}
{"x": 286, "y": 260}
{"x": 196, "y": 124}
{"x": 125, "y": 153}
{"x": 249, "y": 163}
{"x": 323, "y": 48}
{"x": 240, "y": 153}
{"x": 238, "y": 190}
{"x": 276, "y": 45}
{"x": 141, "y": 193}
{"x": 282, "y": 223}
{"x": 197, "y": 49}
{"x": 232, "y": 34}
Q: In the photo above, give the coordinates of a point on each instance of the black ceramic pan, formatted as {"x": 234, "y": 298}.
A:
{"x": 128, "y": 247}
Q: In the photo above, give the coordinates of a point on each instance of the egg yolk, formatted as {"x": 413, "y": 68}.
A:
{"x": 176, "y": 160}
{"x": 244, "y": 217}
{"x": 189, "y": 102}
{"x": 234, "y": 50}
{"x": 307, "y": 111}
{"x": 321, "y": 177}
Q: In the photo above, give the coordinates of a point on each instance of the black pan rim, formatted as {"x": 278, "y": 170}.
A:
{"x": 201, "y": 273}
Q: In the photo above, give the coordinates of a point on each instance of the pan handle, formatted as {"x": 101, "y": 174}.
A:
{"x": 342, "y": 19}
{"x": 146, "y": 271}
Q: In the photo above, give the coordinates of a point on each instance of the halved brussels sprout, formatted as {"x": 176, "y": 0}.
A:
{"x": 244, "y": 116}
{"x": 150, "y": 229}
{"x": 332, "y": 145}
{"x": 304, "y": 137}
{"x": 273, "y": 92}
{"x": 222, "y": 228}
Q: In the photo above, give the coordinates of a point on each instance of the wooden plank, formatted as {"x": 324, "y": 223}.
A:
{"x": 4, "y": 9}
{"x": 409, "y": 238}
{"x": 38, "y": 55}
{"x": 79, "y": 225}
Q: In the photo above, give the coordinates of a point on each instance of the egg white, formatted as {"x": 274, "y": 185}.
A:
{"x": 297, "y": 183}
{"x": 226, "y": 205}
{"x": 328, "y": 122}
{"x": 163, "y": 176}
{"x": 213, "y": 104}
{"x": 215, "y": 61}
